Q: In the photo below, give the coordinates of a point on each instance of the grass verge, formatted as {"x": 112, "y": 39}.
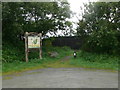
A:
{"x": 13, "y": 62}
{"x": 20, "y": 66}
{"x": 93, "y": 60}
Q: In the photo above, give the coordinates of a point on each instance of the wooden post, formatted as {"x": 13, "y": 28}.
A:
{"x": 26, "y": 46}
{"x": 40, "y": 49}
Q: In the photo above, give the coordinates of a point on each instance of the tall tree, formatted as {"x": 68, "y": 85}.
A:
{"x": 19, "y": 17}
{"x": 101, "y": 24}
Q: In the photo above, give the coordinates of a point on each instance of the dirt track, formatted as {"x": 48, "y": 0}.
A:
{"x": 62, "y": 78}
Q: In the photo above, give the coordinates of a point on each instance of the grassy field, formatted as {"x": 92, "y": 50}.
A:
{"x": 90, "y": 61}
{"x": 93, "y": 60}
{"x": 14, "y": 59}
{"x": 14, "y": 62}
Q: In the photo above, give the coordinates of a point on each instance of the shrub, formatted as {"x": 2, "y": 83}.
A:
{"x": 102, "y": 41}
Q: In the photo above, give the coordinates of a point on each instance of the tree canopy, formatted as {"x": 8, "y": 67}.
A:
{"x": 19, "y": 17}
{"x": 101, "y": 25}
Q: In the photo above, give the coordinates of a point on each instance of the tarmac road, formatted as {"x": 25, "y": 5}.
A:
{"x": 62, "y": 78}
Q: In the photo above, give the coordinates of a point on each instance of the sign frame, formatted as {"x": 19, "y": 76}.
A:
{"x": 33, "y": 34}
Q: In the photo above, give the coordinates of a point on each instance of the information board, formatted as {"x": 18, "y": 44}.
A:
{"x": 33, "y": 42}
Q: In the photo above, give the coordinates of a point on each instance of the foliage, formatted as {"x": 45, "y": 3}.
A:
{"x": 19, "y": 17}
{"x": 101, "y": 26}
{"x": 12, "y": 59}
{"x": 11, "y": 54}
{"x": 102, "y": 58}
{"x": 48, "y": 42}
{"x": 83, "y": 60}
{"x": 94, "y": 60}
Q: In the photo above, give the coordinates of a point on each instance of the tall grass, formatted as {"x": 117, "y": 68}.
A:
{"x": 93, "y": 60}
{"x": 14, "y": 58}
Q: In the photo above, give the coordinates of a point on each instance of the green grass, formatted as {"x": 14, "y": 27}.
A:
{"x": 14, "y": 58}
{"x": 83, "y": 60}
{"x": 93, "y": 60}
{"x": 11, "y": 53}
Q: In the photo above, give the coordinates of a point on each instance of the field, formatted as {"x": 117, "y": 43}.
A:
{"x": 14, "y": 62}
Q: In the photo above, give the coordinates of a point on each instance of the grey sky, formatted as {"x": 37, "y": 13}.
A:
{"x": 75, "y": 8}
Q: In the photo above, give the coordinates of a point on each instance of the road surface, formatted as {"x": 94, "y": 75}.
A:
{"x": 62, "y": 78}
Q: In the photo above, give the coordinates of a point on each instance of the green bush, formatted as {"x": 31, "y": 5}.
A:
{"x": 48, "y": 42}
{"x": 95, "y": 57}
{"x": 95, "y": 60}
{"x": 10, "y": 53}
{"x": 102, "y": 41}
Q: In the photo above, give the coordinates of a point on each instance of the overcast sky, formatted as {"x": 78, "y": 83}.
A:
{"x": 75, "y": 8}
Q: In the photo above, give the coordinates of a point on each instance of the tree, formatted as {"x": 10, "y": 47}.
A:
{"x": 101, "y": 24}
{"x": 19, "y": 17}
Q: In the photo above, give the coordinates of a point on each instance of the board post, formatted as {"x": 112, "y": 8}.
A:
{"x": 40, "y": 49}
{"x": 26, "y": 46}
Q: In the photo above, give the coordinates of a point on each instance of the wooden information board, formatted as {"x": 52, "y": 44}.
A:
{"x": 33, "y": 41}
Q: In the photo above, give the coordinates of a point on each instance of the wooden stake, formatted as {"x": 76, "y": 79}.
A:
{"x": 40, "y": 49}
{"x": 26, "y": 46}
